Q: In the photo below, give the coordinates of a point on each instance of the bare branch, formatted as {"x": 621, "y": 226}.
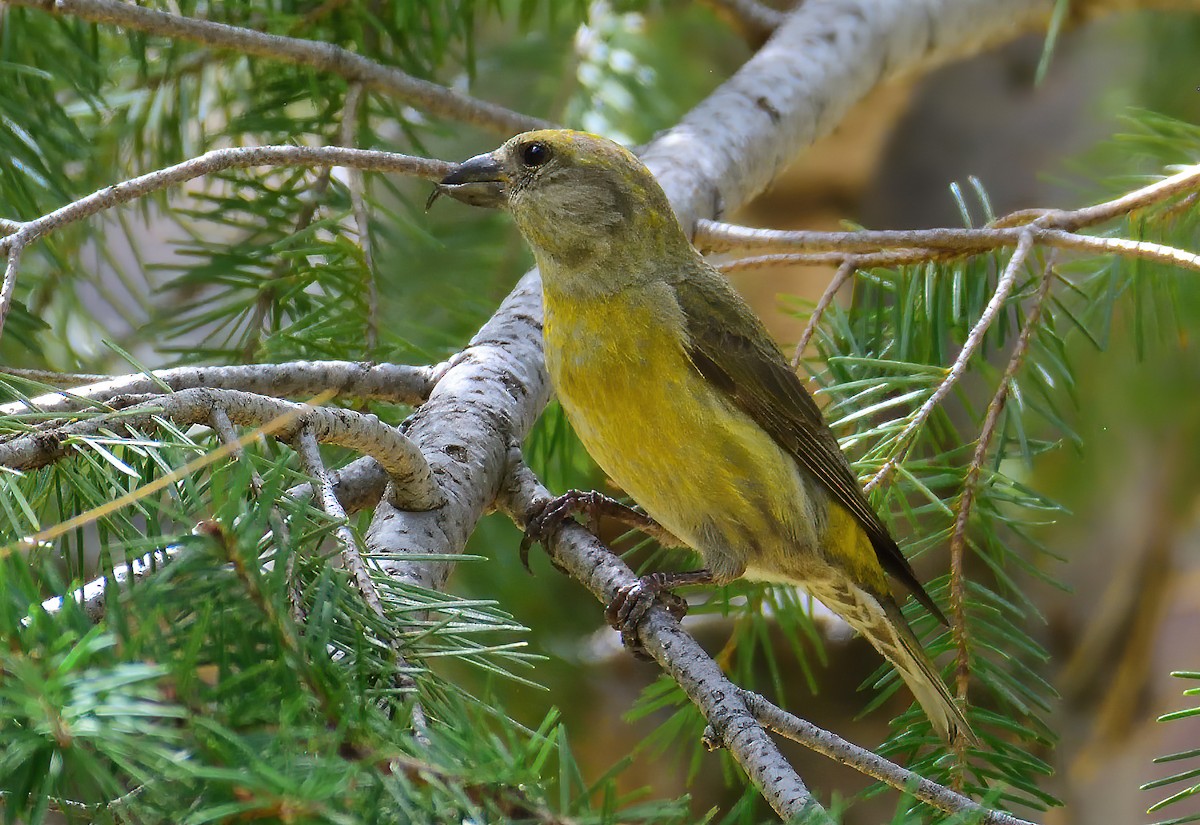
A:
{"x": 862, "y": 260}
{"x": 396, "y": 454}
{"x": 1183, "y": 181}
{"x": 838, "y": 749}
{"x": 715, "y": 236}
{"x": 486, "y": 399}
{"x": 1003, "y": 287}
{"x": 326, "y": 57}
{"x": 352, "y": 558}
{"x": 206, "y": 164}
{"x": 239, "y": 157}
{"x": 10, "y": 278}
{"x": 971, "y": 482}
{"x": 397, "y": 384}
{"x": 896, "y": 247}
{"x": 844, "y": 273}
{"x": 1147, "y": 250}
{"x": 603, "y": 573}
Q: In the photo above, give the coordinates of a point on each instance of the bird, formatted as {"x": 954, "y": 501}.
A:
{"x": 685, "y": 401}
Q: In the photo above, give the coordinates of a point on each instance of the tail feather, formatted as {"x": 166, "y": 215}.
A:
{"x": 880, "y": 621}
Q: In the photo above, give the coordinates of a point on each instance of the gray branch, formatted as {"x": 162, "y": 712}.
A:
{"x": 396, "y": 384}
{"x": 839, "y": 750}
{"x": 681, "y": 656}
{"x": 435, "y": 99}
{"x": 488, "y": 398}
{"x": 413, "y": 486}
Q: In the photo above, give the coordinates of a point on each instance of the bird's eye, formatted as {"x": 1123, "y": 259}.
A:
{"x": 535, "y": 153}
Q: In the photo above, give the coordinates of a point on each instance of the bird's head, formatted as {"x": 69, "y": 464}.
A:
{"x": 580, "y": 200}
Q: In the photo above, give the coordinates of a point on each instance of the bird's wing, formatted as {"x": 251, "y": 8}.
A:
{"x": 733, "y": 351}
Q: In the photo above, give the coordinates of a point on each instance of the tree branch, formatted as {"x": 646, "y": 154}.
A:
{"x": 487, "y": 399}
{"x": 352, "y": 559}
{"x": 396, "y": 454}
{"x": 393, "y": 383}
{"x": 603, "y": 573}
{"x": 958, "y": 538}
{"x": 893, "y": 247}
{"x": 206, "y": 164}
{"x": 716, "y": 236}
{"x": 845, "y": 271}
{"x": 217, "y": 160}
{"x": 1003, "y": 287}
{"x": 326, "y": 57}
{"x": 838, "y": 749}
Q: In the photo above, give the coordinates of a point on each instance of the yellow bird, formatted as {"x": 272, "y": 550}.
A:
{"x": 682, "y": 397}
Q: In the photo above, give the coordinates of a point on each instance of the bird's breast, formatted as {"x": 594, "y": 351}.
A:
{"x": 675, "y": 443}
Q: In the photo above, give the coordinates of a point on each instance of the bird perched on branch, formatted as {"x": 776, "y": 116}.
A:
{"x": 682, "y": 397}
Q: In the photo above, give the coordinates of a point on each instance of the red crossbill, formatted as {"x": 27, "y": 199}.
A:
{"x": 682, "y": 397}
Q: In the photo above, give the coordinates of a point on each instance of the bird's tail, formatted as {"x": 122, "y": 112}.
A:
{"x": 883, "y": 625}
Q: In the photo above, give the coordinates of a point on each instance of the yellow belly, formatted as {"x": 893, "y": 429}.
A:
{"x": 698, "y": 465}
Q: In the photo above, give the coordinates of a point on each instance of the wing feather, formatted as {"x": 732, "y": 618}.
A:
{"x": 730, "y": 348}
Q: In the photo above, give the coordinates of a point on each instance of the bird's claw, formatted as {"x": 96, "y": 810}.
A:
{"x": 629, "y": 607}
{"x": 547, "y": 517}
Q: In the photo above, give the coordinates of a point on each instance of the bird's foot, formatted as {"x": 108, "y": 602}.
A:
{"x": 546, "y": 518}
{"x": 627, "y": 609}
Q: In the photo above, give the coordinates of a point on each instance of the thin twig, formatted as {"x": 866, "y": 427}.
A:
{"x": 897, "y": 247}
{"x": 1003, "y": 287}
{"x": 326, "y": 57}
{"x": 863, "y": 260}
{"x": 238, "y": 157}
{"x": 352, "y": 558}
{"x": 971, "y": 483}
{"x": 1185, "y": 180}
{"x": 354, "y": 561}
{"x": 900, "y": 247}
{"x": 9, "y": 284}
{"x": 206, "y": 164}
{"x": 838, "y": 749}
{"x": 1147, "y": 250}
{"x": 844, "y": 272}
{"x": 603, "y": 573}
{"x": 715, "y": 236}
{"x": 358, "y": 202}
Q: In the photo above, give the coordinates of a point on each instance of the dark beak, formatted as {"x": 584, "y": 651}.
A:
{"x": 480, "y": 181}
